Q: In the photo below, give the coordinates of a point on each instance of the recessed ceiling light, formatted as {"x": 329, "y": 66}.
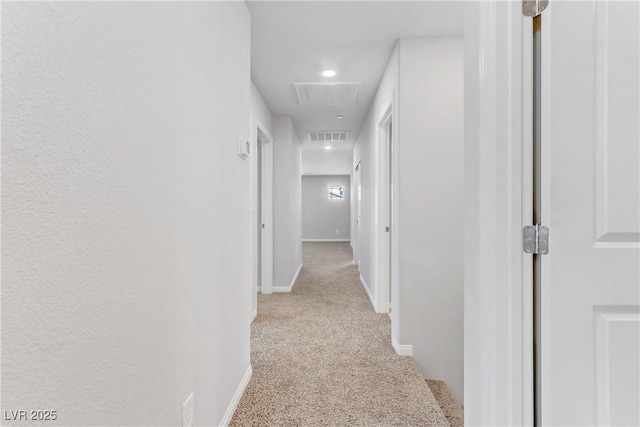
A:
{"x": 327, "y": 147}
{"x": 340, "y": 116}
{"x": 328, "y": 73}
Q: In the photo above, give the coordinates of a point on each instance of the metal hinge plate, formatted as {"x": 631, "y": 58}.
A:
{"x": 535, "y": 239}
{"x": 533, "y": 8}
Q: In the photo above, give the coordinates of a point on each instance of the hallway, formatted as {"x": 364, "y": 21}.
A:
{"x": 159, "y": 159}
{"x": 322, "y": 356}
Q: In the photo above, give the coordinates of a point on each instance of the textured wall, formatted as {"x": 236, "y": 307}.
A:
{"x": 323, "y": 218}
{"x": 430, "y": 206}
{"x": 124, "y": 209}
{"x": 287, "y": 202}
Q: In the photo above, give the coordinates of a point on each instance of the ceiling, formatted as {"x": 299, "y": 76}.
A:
{"x": 294, "y": 41}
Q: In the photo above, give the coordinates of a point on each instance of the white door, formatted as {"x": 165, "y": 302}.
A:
{"x": 390, "y": 195}
{"x": 591, "y": 190}
{"x": 260, "y": 220}
{"x": 262, "y": 199}
{"x": 358, "y": 216}
{"x": 386, "y": 204}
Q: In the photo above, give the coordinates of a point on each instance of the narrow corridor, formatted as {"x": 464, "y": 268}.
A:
{"x": 322, "y": 356}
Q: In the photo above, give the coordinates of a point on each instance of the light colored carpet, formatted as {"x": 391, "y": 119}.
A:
{"x": 450, "y": 408}
{"x": 321, "y": 356}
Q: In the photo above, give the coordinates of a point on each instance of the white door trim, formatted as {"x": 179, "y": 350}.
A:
{"x": 356, "y": 211}
{"x": 351, "y": 215}
{"x": 497, "y": 314}
{"x": 381, "y": 211}
{"x": 267, "y": 208}
{"x": 382, "y": 208}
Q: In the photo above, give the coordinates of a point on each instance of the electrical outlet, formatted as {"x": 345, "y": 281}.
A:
{"x": 337, "y": 231}
{"x": 187, "y": 412}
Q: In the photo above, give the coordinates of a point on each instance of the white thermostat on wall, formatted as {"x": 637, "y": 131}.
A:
{"x": 244, "y": 148}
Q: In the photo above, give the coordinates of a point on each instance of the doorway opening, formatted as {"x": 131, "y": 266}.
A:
{"x": 387, "y": 150}
{"x": 357, "y": 202}
{"x": 385, "y": 217}
{"x": 262, "y": 201}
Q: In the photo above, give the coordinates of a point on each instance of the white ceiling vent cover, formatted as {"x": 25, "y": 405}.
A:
{"x": 328, "y": 136}
{"x": 326, "y": 93}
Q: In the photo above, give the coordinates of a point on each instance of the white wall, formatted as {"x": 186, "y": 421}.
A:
{"x": 426, "y": 77}
{"x": 321, "y": 162}
{"x": 121, "y": 288}
{"x": 260, "y": 110}
{"x": 322, "y": 218}
{"x": 287, "y": 202}
{"x": 364, "y": 152}
{"x": 430, "y": 206}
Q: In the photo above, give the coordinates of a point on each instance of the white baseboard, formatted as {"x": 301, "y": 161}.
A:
{"x": 236, "y": 398}
{"x": 254, "y": 313}
{"x": 259, "y": 289}
{"x": 366, "y": 288}
{"x": 283, "y": 289}
{"x": 402, "y": 349}
{"x": 326, "y": 240}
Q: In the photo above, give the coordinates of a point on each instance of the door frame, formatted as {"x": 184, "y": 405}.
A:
{"x": 385, "y": 267}
{"x": 382, "y": 242}
{"x": 259, "y": 133}
{"x": 498, "y": 353}
{"x": 356, "y": 210}
{"x": 382, "y": 207}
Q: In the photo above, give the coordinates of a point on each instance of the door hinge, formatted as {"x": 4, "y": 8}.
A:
{"x": 535, "y": 239}
{"x": 533, "y": 8}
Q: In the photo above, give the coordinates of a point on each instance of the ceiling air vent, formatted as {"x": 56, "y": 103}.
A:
{"x": 326, "y": 93}
{"x": 328, "y": 136}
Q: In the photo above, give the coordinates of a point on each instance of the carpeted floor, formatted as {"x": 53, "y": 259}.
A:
{"x": 452, "y": 411}
{"x": 321, "y": 356}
